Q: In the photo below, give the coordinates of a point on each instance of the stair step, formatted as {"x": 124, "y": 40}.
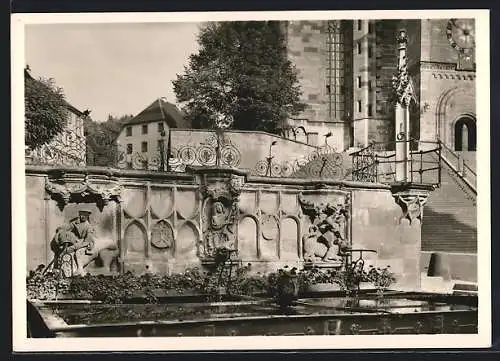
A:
{"x": 450, "y": 218}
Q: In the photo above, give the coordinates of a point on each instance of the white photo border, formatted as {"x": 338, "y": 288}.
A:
{"x": 23, "y": 344}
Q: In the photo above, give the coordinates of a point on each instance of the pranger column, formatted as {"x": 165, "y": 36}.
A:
{"x": 403, "y": 93}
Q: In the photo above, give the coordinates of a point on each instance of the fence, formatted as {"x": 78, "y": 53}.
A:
{"x": 375, "y": 164}
{"x": 457, "y": 162}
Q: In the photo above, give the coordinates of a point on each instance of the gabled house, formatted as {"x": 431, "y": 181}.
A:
{"x": 144, "y": 138}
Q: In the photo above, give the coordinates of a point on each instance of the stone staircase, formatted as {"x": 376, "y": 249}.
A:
{"x": 449, "y": 228}
{"x": 449, "y": 222}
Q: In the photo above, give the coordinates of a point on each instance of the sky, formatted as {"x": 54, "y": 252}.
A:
{"x": 112, "y": 69}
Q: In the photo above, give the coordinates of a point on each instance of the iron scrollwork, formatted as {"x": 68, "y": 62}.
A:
{"x": 215, "y": 148}
{"x": 365, "y": 165}
{"x": 324, "y": 162}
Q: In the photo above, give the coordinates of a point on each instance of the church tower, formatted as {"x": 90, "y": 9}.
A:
{"x": 345, "y": 71}
{"x": 321, "y": 52}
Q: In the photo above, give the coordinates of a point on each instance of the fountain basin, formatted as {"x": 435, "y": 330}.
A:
{"x": 397, "y": 313}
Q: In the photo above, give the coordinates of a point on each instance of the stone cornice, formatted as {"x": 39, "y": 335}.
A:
{"x": 443, "y": 70}
{"x": 434, "y": 65}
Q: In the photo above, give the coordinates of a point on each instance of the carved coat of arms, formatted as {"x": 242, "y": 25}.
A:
{"x": 326, "y": 236}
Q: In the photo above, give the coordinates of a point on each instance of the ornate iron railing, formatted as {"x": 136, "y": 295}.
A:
{"x": 67, "y": 148}
{"x": 324, "y": 162}
{"x": 375, "y": 164}
{"x": 457, "y": 162}
{"x": 215, "y": 150}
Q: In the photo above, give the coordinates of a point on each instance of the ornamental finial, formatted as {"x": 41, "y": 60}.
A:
{"x": 402, "y": 37}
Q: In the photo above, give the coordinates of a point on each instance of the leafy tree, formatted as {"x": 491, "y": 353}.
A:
{"x": 101, "y": 140}
{"x": 45, "y": 111}
{"x": 240, "y": 73}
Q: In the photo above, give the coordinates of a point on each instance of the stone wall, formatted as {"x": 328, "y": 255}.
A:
{"x": 164, "y": 222}
{"x": 306, "y": 45}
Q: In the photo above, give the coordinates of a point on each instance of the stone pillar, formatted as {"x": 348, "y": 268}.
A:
{"x": 400, "y": 148}
{"x": 403, "y": 93}
{"x": 411, "y": 200}
{"x": 220, "y": 188}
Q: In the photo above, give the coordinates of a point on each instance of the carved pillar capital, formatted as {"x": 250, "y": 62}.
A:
{"x": 412, "y": 204}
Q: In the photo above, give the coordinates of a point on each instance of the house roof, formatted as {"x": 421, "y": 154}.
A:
{"x": 160, "y": 110}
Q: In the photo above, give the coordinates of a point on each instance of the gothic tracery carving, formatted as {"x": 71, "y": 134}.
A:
{"x": 85, "y": 191}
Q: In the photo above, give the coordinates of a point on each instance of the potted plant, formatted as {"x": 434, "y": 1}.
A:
{"x": 318, "y": 280}
{"x": 287, "y": 287}
{"x": 381, "y": 278}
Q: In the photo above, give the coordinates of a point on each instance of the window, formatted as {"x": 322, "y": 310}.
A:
{"x": 370, "y": 110}
{"x": 161, "y": 127}
{"x": 359, "y": 82}
{"x": 129, "y": 148}
{"x": 359, "y": 106}
{"x": 336, "y": 64}
{"x": 360, "y": 24}
{"x": 370, "y": 84}
{"x": 129, "y": 131}
{"x": 145, "y": 129}
{"x": 358, "y": 45}
{"x": 370, "y": 28}
{"x": 161, "y": 144}
{"x": 369, "y": 51}
{"x": 144, "y": 147}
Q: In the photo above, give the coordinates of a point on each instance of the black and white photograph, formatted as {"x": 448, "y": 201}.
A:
{"x": 184, "y": 180}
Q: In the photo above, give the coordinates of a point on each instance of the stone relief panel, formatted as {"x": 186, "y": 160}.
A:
{"x": 326, "y": 227}
{"x": 186, "y": 204}
{"x": 269, "y": 240}
{"x": 220, "y": 215}
{"x": 162, "y": 238}
{"x": 135, "y": 222}
{"x": 188, "y": 236}
{"x": 162, "y": 203}
{"x": 80, "y": 228}
{"x": 135, "y": 238}
{"x": 160, "y": 223}
{"x": 289, "y": 203}
{"x": 248, "y": 202}
{"x": 269, "y": 202}
{"x": 134, "y": 202}
{"x": 248, "y": 238}
{"x": 290, "y": 234}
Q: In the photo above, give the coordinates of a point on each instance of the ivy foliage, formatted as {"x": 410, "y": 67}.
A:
{"x": 45, "y": 111}
{"x": 283, "y": 285}
{"x": 101, "y": 140}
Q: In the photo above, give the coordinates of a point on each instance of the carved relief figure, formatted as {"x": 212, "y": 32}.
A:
{"x": 326, "y": 237}
{"x": 220, "y": 215}
{"x": 75, "y": 246}
{"x": 218, "y": 231}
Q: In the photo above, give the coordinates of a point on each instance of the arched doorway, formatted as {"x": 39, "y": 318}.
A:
{"x": 465, "y": 134}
